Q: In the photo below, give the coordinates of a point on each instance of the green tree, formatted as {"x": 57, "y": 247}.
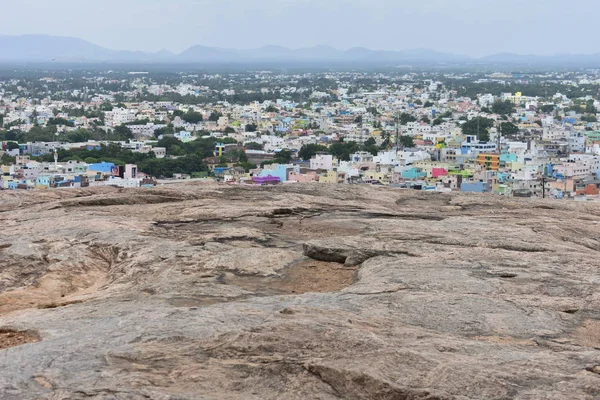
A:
{"x": 192, "y": 117}
{"x": 242, "y": 157}
{"x": 172, "y": 144}
{"x": 254, "y": 146}
{"x": 12, "y": 145}
{"x": 428, "y": 104}
{"x": 590, "y": 108}
{"x": 406, "y": 118}
{"x": 373, "y": 110}
{"x": 271, "y": 109}
{"x": 547, "y": 108}
{"x": 589, "y": 118}
{"x": 503, "y": 107}
{"x": 229, "y": 129}
{"x": 246, "y": 165}
{"x": 166, "y": 167}
{"x": 122, "y": 132}
{"x": 60, "y": 121}
{"x": 252, "y": 127}
{"x": 343, "y": 150}
{"x": 371, "y": 146}
{"x": 284, "y": 157}
{"x": 508, "y": 128}
{"x": 7, "y": 160}
{"x": 167, "y": 130}
{"x": 106, "y": 106}
{"x": 309, "y": 150}
{"x": 214, "y": 116}
{"x": 13, "y": 135}
{"x": 478, "y": 126}
{"x": 78, "y": 136}
{"x": 407, "y": 141}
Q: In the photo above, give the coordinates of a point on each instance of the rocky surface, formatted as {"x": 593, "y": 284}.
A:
{"x": 297, "y": 292}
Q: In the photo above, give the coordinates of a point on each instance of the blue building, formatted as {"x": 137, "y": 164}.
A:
{"x": 101, "y": 167}
{"x": 413, "y": 173}
{"x": 280, "y": 172}
{"x": 475, "y": 187}
{"x": 43, "y": 181}
{"x": 508, "y": 157}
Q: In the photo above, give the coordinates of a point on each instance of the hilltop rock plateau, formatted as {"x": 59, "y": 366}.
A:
{"x": 297, "y": 292}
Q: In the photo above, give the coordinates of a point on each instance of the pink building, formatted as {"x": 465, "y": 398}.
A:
{"x": 310, "y": 176}
{"x": 437, "y": 172}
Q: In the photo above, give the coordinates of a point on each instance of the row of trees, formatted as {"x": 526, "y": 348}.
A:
{"x": 343, "y": 150}
{"x": 50, "y": 134}
{"x": 480, "y": 127}
{"x": 147, "y": 163}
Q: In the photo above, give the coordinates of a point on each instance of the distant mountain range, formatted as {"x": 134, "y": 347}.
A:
{"x": 44, "y": 48}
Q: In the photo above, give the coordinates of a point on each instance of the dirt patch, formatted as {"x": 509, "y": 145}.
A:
{"x": 589, "y": 333}
{"x": 11, "y": 338}
{"x": 46, "y": 290}
{"x": 306, "y": 276}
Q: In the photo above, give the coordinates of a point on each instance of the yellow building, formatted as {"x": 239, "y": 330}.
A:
{"x": 382, "y": 177}
{"x": 428, "y": 166}
{"x": 331, "y": 177}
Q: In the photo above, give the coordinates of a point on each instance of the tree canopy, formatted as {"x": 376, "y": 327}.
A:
{"x": 254, "y": 146}
{"x": 214, "y": 116}
{"x": 478, "y": 126}
{"x": 407, "y": 141}
{"x": 309, "y": 150}
{"x": 406, "y": 118}
{"x": 192, "y": 117}
{"x": 508, "y": 128}
{"x": 503, "y": 107}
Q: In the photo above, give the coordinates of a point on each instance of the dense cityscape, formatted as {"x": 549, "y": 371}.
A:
{"x": 299, "y": 199}
{"x": 516, "y": 134}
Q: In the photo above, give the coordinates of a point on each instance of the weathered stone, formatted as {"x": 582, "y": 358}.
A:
{"x": 297, "y": 292}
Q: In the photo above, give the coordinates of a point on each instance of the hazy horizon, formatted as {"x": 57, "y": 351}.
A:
{"x": 466, "y": 27}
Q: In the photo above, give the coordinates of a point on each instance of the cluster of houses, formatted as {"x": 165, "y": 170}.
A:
{"x": 552, "y": 147}
{"x": 30, "y": 174}
{"x": 518, "y": 169}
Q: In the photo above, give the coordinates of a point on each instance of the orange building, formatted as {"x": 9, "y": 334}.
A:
{"x": 489, "y": 161}
{"x": 588, "y": 188}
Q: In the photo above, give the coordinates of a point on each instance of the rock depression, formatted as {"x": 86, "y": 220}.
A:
{"x": 297, "y": 292}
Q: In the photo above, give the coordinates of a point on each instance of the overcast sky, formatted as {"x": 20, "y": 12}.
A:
{"x": 473, "y": 27}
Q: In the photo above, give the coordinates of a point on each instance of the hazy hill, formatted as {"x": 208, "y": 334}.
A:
{"x": 44, "y": 48}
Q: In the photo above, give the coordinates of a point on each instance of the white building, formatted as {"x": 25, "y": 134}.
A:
{"x": 386, "y": 157}
{"x": 322, "y": 161}
{"x": 119, "y": 116}
{"x": 410, "y": 156}
{"x": 145, "y": 130}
